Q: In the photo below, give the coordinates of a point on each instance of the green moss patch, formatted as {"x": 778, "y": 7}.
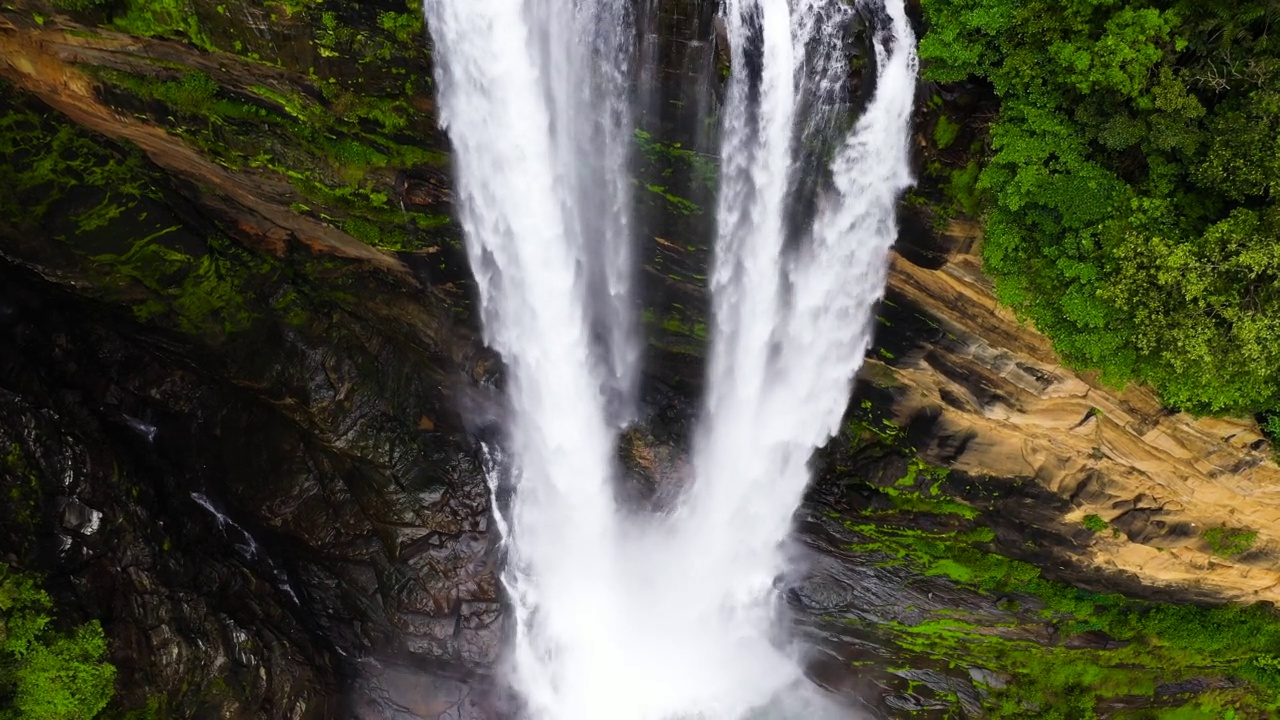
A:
{"x": 333, "y": 162}
{"x": 81, "y": 203}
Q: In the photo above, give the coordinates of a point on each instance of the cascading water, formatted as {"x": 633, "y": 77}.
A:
{"x": 647, "y": 617}
{"x": 531, "y": 95}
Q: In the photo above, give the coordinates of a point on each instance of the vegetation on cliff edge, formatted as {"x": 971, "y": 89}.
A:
{"x": 1132, "y": 177}
{"x": 1099, "y": 654}
{"x": 45, "y": 673}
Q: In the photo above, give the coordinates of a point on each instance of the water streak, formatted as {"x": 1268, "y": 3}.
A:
{"x": 793, "y": 303}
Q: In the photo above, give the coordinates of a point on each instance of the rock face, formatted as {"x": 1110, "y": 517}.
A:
{"x": 1000, "y": 405}
{"x": 242, "y": 391}
{"x": 237, "y": 434}
{"x": 246, "y": 522}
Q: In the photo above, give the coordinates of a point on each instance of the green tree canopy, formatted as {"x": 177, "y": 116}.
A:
{"x": 1131, "y": 176}
{"x": 45, "y": 674}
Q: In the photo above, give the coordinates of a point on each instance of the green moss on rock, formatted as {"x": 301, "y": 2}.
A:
{"x": 109, "y": 218}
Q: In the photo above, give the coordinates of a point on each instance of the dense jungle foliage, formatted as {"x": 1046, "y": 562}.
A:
{"x": 1131, "y": 181}
{"x": 46, "y": 674}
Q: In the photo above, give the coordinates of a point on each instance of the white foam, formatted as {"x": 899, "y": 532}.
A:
{"x": 661, "y": 617}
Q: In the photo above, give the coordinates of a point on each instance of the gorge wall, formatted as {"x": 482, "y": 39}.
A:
{"x": 242, "y": 386}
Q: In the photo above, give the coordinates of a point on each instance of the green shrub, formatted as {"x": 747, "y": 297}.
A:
{"x": 1270, "y": 426}
{"x": 945, "y": 132}
{"x": 963, "y": 191}
{"x": 1095, "y": 523}
{"x": 46, "y": 674}
{"x": 1229, "y": 542}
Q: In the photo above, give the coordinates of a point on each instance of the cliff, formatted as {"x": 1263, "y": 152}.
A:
{"x": 1002, "y": 407}
{"x": 243, "y": 396}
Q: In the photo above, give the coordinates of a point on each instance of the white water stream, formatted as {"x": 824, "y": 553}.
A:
{"x": 643, "y": 617}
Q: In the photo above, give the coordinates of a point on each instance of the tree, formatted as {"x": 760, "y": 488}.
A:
{"x": 1131, "y": 172}
{"x": 45, "y": 674}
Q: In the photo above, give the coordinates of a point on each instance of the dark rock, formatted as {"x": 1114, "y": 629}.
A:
{"x": 986, "y": 678}
{"x": 80, "y": 518}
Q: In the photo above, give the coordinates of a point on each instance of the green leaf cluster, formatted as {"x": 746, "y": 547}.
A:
{"x": 1230, "y": 542}
{"x": 46, "y": 674}
{"x": 1132, "y": 175}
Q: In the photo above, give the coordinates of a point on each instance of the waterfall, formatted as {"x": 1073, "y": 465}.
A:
{"x": 618, "y": 614}
{"x": 793, "y": 312}
{"x": 799, "y": 267}
{"x": 533, "y": 96}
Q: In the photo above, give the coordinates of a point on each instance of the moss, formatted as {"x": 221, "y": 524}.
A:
{"x": 404, "y": 27}
{"x": 945, "y": 132}
{"x": 339, "y": 148}
{"x": 1057, "y": 682}
{"x": 328, "y": 159}
{"x": 174, "y": 19}
{"x": 23, "y": 507}
{"x": 390, "y": 115}
{"x": 110, "y": 209}
{"x": 81, "y": 6}
{"x": 334, "y": 38}
{"x": 672, "y": 323}
{"x": 675, "y": 203}
{"x": 46, "y": 162}
{"x": 675, "y": 333}
{"x": 386, "y": 237}
{"x": 236, "y": 130}
{"x": 1159, "y": 643}
{"x": 206, "y": 295}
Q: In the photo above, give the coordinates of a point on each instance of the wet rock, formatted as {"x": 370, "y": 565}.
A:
{"x": 425, "y": 193}
{"x": 1093, "y": 640}
{"x": 388, "y": 691}
{"x": 989, "y": 679}
{"x": 80, "y": 518}
{"x": 273, "y": 530}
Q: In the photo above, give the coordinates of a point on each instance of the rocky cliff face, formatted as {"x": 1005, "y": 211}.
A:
{"x": 239, "y": 428}
{"x": 1001, "y": 406}
{"x": 242, "y": 392}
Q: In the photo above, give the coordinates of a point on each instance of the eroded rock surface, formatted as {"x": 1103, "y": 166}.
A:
{"x": 1000, "y": 405}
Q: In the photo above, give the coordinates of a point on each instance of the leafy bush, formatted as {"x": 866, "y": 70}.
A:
{"x": 1229, "y": 542}
{"x": 1134, "y": 218}
{"x": 1270, "y": 424}
{"x": 1095, "y": 523}
{"x": 45, "y": 674}
{"x": 945, "y": 132}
